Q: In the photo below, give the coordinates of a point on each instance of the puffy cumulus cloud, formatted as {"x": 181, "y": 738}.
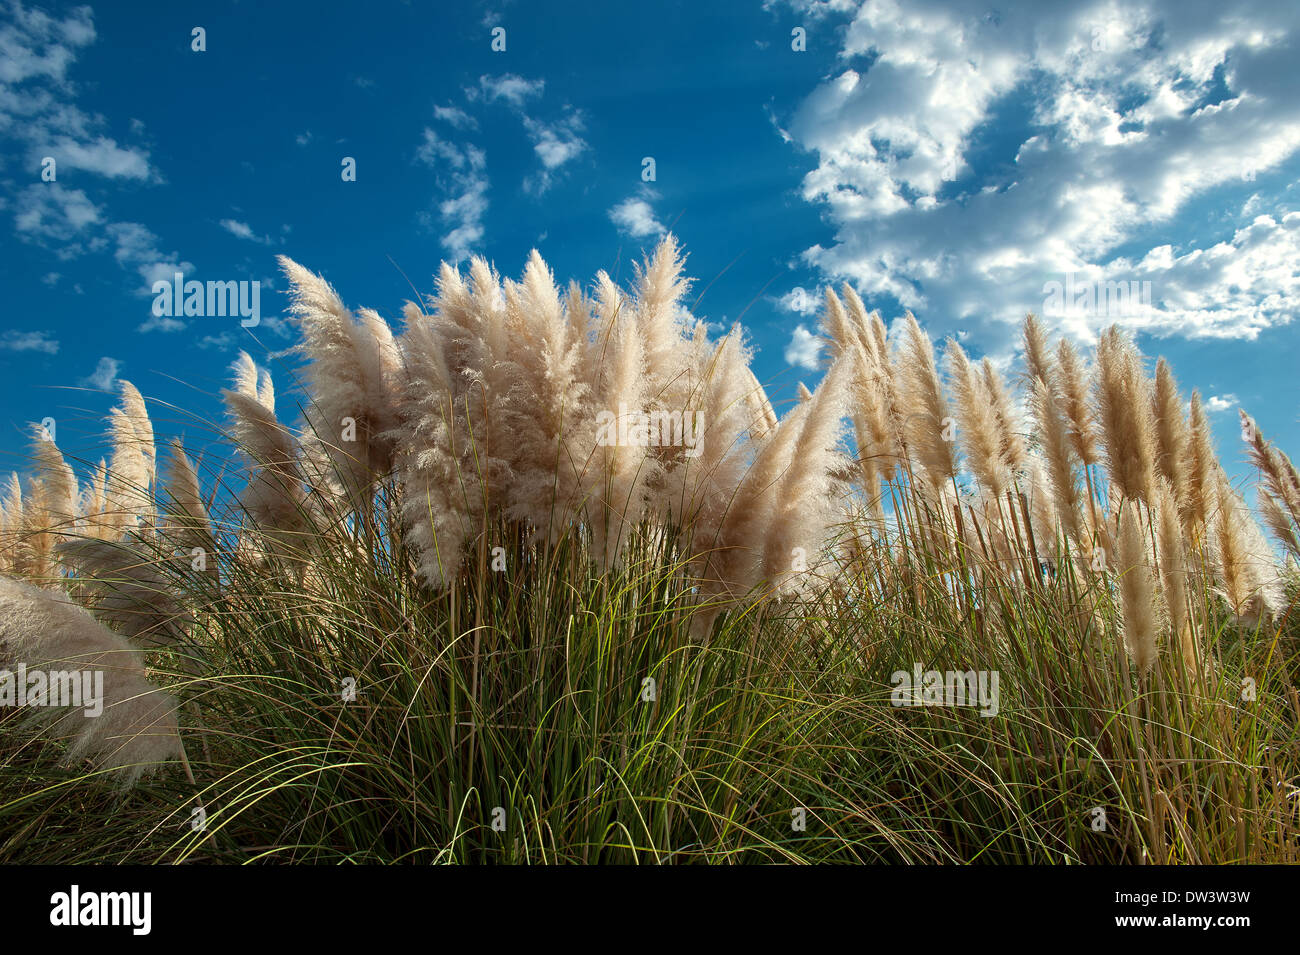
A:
{"x": 635, "y": 217}
{"x": 804, "y": 350}
{"x": 1134, "y": 110}
{"x": 555, "y": 144}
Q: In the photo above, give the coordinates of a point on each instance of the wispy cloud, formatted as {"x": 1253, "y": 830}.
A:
{"x": 38, "y": 107}
{"x": 29, "y": 341}
{"x": 463, "y": 184}
{"x": 101, "y": 156}
{"x": 49, "y": 213}
{"x": 455, "y": 116}
{"x": 515, "y": 90}
{"x": 243, "y": 230}
{"x": 37, "y": 99}
{"x": 556, "y": 142}
{"x": 137, "y": 248}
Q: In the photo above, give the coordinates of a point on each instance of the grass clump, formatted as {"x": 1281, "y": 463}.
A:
{"x": 448, "y": 616}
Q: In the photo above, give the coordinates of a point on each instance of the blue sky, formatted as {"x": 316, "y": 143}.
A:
{"x": 951, "y": 158}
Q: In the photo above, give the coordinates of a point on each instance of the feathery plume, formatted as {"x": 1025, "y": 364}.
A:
{"x": 123, "y": 586}
{"x": 1058, "y": 457}
{"x": 352, "y": 368}
{"x": 275, "y": 498}
{"x": 1136, "y": 589}
{"x": 927, "y": 429}
{"x": 1199, "y": 462}
{"x": 804, "y": 503}
{"x": 136, "y": 730}
{"x": 188, "y": 526}
{"x": 977, "y": 423}
{"x": 1011, "y": 443}
{"x": 132, "y": 467}
{"x": 1072, "y": 385}
{"x": 1124, "y": 409}
{"x": 1173, "y": 572}
{"x": 1038, "y": 357}
{"x": 1247, "y": 577}
{"x": 1170, "y": 431}
{"x": 1279, "y": 493}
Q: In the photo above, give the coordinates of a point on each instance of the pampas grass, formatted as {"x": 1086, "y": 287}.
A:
{"x": 1124, "y": 409}
{"x": 1279, "y": 491}
{"x": 552, "y": 595}
{"x": 1136, "y": 589}
{"x": 136, "y": 730}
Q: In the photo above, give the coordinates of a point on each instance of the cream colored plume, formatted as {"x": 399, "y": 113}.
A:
{"x": 45, "y": 631}
{"x": 928, "y": 425}
{"x": 1136, "y": 589}
{"x": 353, "y": 368}
{"x": 122, "y": 584}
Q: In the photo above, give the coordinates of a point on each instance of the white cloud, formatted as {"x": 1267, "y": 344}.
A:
{"x": 37, "y": 45}
{"x": 1121, "y": 141}
{"x": 29, "y": 341}
{"x": 463, "y": 183}
{"x": 221, "y": 342}
{"x": 243, "y": 230}
{"x": 38, "y": 107}
{"x": 137, "y": 248}
{"x": 804, "y": 350}
{"x": 635, "y": 217}
{"x": 515, "y": 90}
{"x": 161, "y": 323}
{"x": 50, "y": 214}
{"x": 104, "y": 376}
{"x": 455, "y": 116}
{"x": 37, "y": 100}
{"x": 102, "y": 156}
{"x": 435, "y": 150}
{"x": 303, "y": 138}
{"x": 1218, "y": 403}
{"x": 555, "y": 144}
